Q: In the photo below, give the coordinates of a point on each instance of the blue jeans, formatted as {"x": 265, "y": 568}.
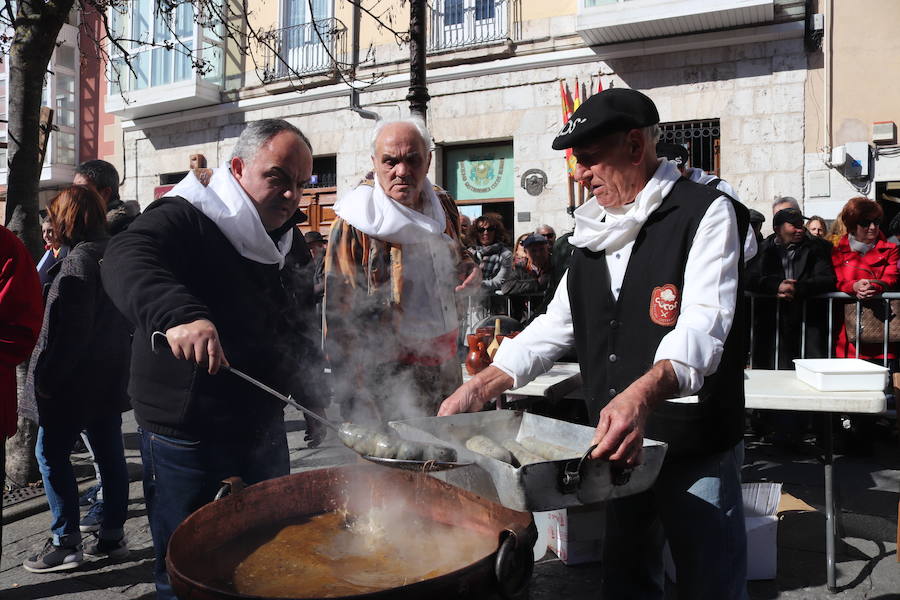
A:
{"x": 696, "y": 504}
{"x": 54, "y": 444}
{"x": 180, "y": 476}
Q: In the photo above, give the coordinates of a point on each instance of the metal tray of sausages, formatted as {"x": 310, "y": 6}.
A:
{"x": 538, "y": 486}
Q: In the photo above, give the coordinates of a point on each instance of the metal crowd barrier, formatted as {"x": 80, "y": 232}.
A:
{"x": 886, "y": 297}
{"x": 499, "y": 304}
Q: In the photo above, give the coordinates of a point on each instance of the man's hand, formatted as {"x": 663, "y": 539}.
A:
{"x": 197, "y": 341}
{"x": 475, "y": 393}
{"x": 315, "y": 431}
{"x": 620, "y": 430}
{"x": 787, "y": 289}
{"x": 472, "y": 282}
{"x": 866, "y": 289}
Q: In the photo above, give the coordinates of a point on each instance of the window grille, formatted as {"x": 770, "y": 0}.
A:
{"x": 701, "y": 138}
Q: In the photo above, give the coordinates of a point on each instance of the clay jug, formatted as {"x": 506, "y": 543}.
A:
{"x": 477, "y": 359}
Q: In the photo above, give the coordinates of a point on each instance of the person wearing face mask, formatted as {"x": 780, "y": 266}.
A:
{"x": 650, "y": 301}
{"x": 221, "y": 269}
{"x": 393, "y": 273}
{"x": 865, "y": 265}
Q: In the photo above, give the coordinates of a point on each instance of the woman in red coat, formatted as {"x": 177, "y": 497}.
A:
{"x": 866, "y": 266}
{"x": 21, "y": 311}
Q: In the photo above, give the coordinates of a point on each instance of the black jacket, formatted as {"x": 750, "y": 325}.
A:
{"x": 815, "y": 275}
{"x": 173, "y": 266}
{"x": 79, "y": 368}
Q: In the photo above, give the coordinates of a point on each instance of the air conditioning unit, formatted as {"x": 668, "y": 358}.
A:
{"x": 884, "y": 132}
{"x": 857, "y": 163}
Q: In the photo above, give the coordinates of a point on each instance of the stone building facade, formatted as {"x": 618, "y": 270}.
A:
{"x": 748, "y": 82}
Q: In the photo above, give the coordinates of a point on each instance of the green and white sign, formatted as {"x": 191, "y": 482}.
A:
{"x": 480, "y": 173}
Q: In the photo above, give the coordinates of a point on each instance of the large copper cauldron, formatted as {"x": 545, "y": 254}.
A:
{"x": 205, "y": 549}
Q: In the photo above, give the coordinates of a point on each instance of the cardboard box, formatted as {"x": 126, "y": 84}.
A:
{"x": 761, "y": 522}
{"x": 576, "y": 534}
{"x": 761, "y": 503}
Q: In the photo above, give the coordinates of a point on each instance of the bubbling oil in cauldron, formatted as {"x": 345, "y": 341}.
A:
{"x": 339, "y": 554}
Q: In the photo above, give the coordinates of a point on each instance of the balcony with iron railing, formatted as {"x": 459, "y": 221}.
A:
{"x": 457, "y": 24}
{"x": 306, "y": 49}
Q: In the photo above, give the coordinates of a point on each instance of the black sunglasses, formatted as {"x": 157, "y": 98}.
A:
{"x": 864, "y": 223}
{"x": 483, "y": 229}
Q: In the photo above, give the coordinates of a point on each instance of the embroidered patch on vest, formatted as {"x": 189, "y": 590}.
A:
{"x": 664, "y": 305}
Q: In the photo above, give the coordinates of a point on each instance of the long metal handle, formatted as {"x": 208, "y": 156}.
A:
{"x": 158, "y": 337}
{"x": 280, "y": 396}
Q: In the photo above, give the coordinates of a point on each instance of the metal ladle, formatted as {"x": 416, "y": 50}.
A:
{"x": 427, "y": 466}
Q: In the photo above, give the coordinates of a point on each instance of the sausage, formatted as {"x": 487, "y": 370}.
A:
{"x": 547, "y": 450}
{"x": 370, "y": 442}
{"x": 488, "y": 447}
{"x": 523, "y": 456}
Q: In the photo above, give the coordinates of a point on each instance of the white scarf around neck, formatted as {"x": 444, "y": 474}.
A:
{"x": 226, "y": 203}
{"x": 598, "y": 228}
{"x": 371, "y": 211}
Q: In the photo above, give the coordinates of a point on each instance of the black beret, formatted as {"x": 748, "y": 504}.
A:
{"x": 675, "y": 152}
{"x": 609, "y": 111}
{"x": 788, "y": 215}
{"x": 312, "y": 237}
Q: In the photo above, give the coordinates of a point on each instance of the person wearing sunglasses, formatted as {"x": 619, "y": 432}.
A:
{"x": 492, "y": 252}
{"x": 865, "y": 265}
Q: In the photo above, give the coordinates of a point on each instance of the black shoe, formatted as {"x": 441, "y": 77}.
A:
{"x": 54, "y": 558}
{"x": 107, "y": 548}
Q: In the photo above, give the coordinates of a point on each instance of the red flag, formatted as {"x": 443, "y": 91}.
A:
{"x": 568, "y": 107}
{"x": 599, "y": 84}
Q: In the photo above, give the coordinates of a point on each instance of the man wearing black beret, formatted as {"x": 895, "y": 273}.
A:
{"x": 648, "y": 302}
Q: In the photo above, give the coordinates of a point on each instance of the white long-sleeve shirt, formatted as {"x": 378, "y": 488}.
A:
{"x": 695, "y": 344}
{"x": 702, "y": 177}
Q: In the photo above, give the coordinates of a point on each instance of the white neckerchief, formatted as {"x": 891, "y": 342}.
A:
{"x": 371, "y": 211}
{"x": 859, "y": 246}
{"x": 698, "y": 175}
{"x": 226, "y": 203}
{"x": 598, "y": 228}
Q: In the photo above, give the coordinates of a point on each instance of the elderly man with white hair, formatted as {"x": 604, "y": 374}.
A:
{"x": 394, "y": 267}
{"x": 651, "y": 303}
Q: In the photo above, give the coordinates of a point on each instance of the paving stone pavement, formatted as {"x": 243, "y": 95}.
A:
{"x": 867, "y": 567}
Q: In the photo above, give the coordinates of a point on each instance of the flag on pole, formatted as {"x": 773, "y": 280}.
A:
{"x": 570, "y": 158}
{"x": 568, "y": 107}
{"x": 599, "y": 84}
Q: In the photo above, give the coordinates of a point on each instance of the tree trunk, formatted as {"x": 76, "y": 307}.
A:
{"x": 21, "y": 465}
{"x": 37, "y": 26}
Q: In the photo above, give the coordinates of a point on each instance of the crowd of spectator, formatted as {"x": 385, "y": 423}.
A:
{"x": 517, "y": 279}
{"x": 800, "y": 262}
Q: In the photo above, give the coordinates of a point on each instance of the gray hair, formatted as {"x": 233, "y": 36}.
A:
{"x": 257, "y": 133}
{"x": 415, "y": 121}
{"x": 544, "y": 226}
{"x": 786, "y": 200}
{"x": 652, "y": 133}
{"x": 102, "y": 175}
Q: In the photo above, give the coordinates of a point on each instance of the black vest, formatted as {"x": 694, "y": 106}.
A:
{"x": 617, "y": 340}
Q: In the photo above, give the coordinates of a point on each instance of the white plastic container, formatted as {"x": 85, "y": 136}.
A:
{"x": 841, "y": 374}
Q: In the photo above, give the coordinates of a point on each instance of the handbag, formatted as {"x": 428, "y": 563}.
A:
{"x": 872, "y": 315}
